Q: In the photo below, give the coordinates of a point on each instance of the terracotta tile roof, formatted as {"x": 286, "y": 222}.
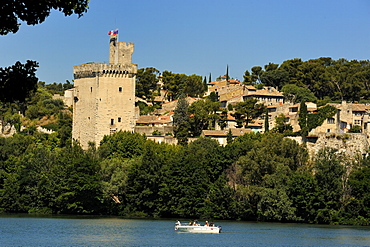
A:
{"x": 255, "y": 124}
{"x": 250, "y": 87}
{"x": 234, "y": 97}
{"x": 234, "y": 81}
{"x": 150, "y": 119}
{"x": 265, "y": 92}
{"x": 359, "y": 107}
{"x": 187, "y": 99}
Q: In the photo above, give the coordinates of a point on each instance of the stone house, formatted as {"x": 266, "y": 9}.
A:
{"x": 267, "y": 96}
{"x": 347, "y": 116}
{"x": 221, "y": 135}
{"x": 171, "y": 106}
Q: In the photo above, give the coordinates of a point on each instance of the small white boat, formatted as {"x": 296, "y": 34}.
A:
{"x": 196, "y": 228}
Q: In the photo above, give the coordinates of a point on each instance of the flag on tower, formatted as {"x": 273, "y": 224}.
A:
{"x": 113, "y": 32}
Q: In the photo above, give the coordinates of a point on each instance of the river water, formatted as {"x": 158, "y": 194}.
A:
{"x": 67, "y": 231}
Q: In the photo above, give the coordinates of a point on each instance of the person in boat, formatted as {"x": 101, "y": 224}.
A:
{"x": 178, "y": 223}
{"x": 206, "y": 224}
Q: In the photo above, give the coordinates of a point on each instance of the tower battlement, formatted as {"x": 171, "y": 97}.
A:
{"x": 120, "y": 52}
{"x": 102, "y": 69}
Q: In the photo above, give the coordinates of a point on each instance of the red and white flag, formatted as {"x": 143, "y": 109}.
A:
{"x": 113, "y": 32}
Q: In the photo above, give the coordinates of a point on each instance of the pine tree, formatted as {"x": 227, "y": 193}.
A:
{"x": 181, "y": 121}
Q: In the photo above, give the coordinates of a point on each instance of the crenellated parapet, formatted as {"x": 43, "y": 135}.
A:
{"x": 89, "y": 70}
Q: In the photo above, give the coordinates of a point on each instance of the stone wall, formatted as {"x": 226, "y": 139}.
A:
{"x": 348, "y": 143}
{"x": 148, "y": 130}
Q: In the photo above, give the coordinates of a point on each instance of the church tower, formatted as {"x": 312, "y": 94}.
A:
{"x": 104, "y": 95}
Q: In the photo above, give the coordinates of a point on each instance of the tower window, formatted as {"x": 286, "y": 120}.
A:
{"x": 111, "y": 121}
{"x": 119, "y": 119}
{"x": 90, "y": 89}
{"x": 120, "y": 89}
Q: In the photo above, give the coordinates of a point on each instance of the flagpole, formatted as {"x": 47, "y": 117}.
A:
{"x": 116, "y": 52}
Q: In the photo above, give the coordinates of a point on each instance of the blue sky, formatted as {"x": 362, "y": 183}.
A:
{"x": 195, "y": 36}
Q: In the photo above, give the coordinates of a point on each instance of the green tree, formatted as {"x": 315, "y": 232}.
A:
{"x": 34, "y": 13}
{"x": 329, "y": 168}
{"x": 18, "y": 82}
{"x": 304, "y": 193}
{"x": 203, "y": 115}
{"x": 256, "y": 74}
{"x": 79, "y": 182}
{"x": 266, "y": 124}
{"x": 181, "y": 121}
{"x": 303, "y": 119}
{"x": 146, "y": 83}
{"x": 122, "y": 144}
{"x": 145, "y": 179}
{"x": 222, "y": 121}
{"x": 275, "y": 78}
{"x": 246, "y": 111}
{"x": 247, "y": 78}
{"x": 294, "y": 94}
{"x": 281, "y": 126}
{"x": 358, "y": 208}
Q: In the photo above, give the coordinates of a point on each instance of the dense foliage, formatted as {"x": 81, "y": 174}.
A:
{"x": 316, "y": 79}
{"x": 262, "y": 177}
{"x": 12, "y": 12}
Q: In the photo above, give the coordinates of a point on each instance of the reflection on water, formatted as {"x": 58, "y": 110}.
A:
{"x": 63, "y": 231}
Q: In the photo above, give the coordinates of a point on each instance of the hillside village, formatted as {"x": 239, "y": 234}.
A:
{"x": 333, "y": 132}
{"x": 104, "y": 102}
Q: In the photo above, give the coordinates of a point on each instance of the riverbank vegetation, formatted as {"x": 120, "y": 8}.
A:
{"x": 263, "y": 177}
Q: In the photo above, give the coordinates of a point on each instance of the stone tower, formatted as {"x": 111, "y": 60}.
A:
{"x": 104, "y": 95}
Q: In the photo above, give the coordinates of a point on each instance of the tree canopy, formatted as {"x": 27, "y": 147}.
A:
{"x": 17, "y": 82}
{"x": 35, "y": 12}
{"x": 315, "y": 79}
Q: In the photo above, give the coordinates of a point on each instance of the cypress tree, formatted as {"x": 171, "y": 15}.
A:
{"x": 302, "y": 120}
{"x": 267, "y": 120}
{"x": 227, "y": 73}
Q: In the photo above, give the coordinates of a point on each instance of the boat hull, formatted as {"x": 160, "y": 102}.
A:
{"x": 198, "y": 229}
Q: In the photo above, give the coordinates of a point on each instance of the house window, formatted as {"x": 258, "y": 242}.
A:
{"x": 357, "y": 113}
{"x": 331, "y": 120}
{"x": 119, "y": 119}
{"x": 120, "y": 89}
{"x": 328, "y": 130}
{"x": 111, "y": 121}
{"x": 357, "y": 122}
{"x": 293, "y": 109}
